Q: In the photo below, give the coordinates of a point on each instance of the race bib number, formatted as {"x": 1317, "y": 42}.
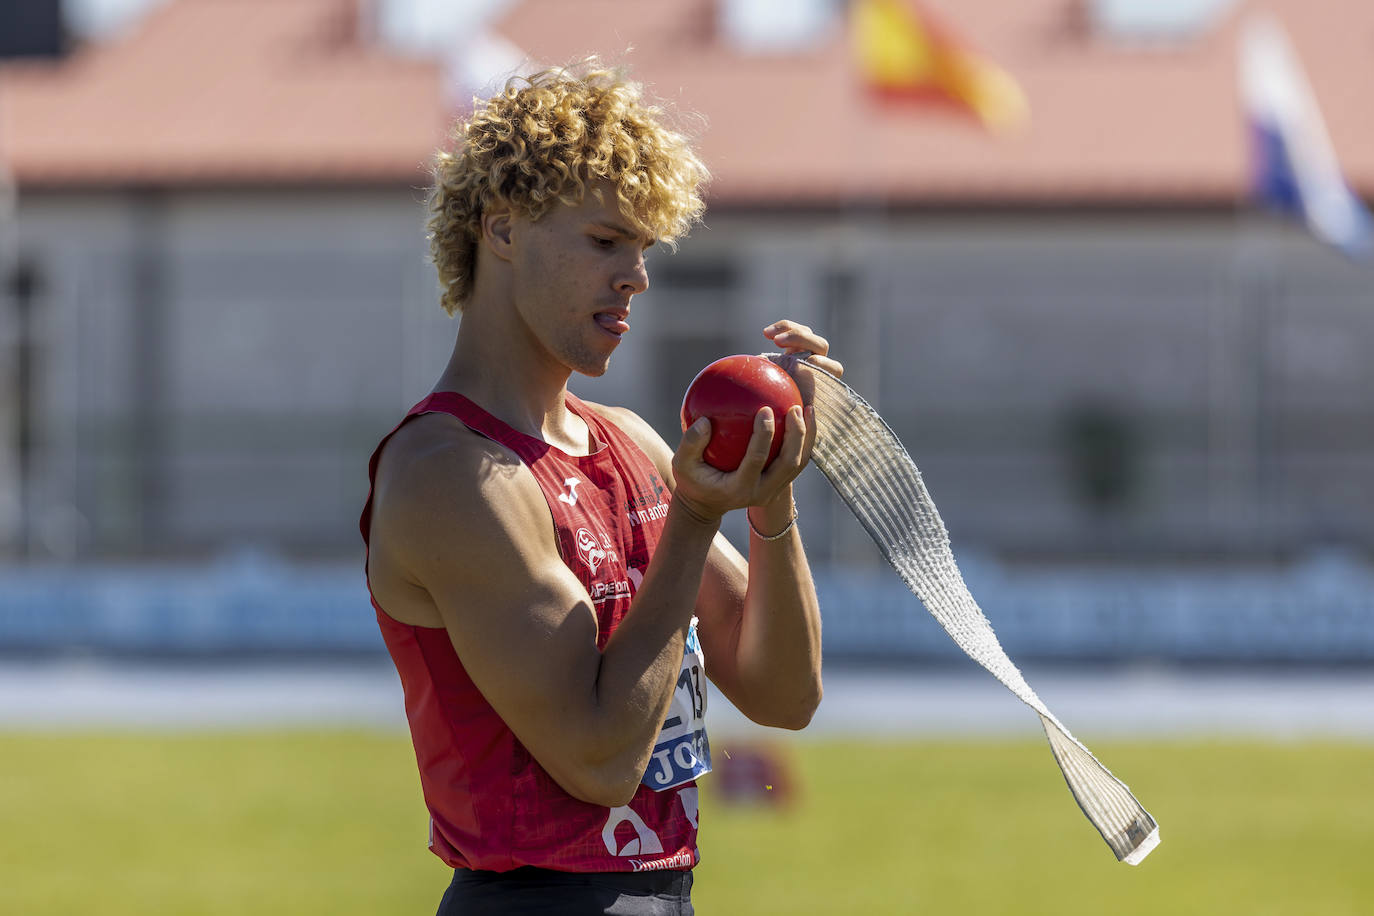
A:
{"x": 682, "y": 752}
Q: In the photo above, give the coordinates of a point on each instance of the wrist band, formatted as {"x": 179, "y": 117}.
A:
{"x": 773, "y": 537}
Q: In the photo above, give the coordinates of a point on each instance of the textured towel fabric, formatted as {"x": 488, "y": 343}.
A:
{"x": 867, "y": 465}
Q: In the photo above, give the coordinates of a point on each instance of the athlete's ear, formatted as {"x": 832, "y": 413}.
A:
{"x": 496, "y": 232}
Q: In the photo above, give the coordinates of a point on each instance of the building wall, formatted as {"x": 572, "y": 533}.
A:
{"x": 214, "y": 368}
{"x": 1070, "y": 384}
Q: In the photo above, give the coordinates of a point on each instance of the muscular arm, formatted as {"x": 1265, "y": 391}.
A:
{"x": 760, "y": 621}
{"x": 461, "y": 522}
{"x": 760, "y": 618}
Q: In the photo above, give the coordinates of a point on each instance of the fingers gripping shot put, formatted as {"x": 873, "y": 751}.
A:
{"x": 729, "y": 393}
{"x": 548, "y": 573}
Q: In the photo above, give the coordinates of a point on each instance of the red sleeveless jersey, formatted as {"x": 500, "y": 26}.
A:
{"x": 491, "y": 805}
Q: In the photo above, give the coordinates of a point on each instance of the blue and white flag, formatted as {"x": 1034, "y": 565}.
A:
{"x": 1295, "y": 167}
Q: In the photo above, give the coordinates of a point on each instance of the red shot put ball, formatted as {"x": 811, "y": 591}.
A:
{"x": 729, "y": 392}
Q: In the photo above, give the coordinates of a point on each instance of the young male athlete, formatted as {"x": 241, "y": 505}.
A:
{"x": 547, "y": 573}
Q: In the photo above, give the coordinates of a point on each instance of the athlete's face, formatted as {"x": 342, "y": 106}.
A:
{"x": 575, "y": 271}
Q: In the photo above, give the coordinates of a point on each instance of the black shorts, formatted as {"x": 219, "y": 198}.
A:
{"x": 538, "y": 890}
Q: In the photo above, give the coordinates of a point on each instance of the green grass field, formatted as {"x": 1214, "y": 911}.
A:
{"x": 331, "y": 823}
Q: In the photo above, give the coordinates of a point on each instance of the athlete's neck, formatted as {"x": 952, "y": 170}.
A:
{"x": 530, "y": 395}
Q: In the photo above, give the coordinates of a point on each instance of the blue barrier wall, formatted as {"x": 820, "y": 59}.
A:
{"x": 1318, "y": 610}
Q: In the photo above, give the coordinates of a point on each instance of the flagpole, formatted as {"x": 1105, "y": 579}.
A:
{"x": 13, "y": 525}
{"x": 1257, "y": 267}
{"x": 1248, "y": 436}
{"x": 849, "y": 285}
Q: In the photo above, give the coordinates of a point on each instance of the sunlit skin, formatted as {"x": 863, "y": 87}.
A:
{"x": 461, "y": 535}
{"x": 551, "y": 297}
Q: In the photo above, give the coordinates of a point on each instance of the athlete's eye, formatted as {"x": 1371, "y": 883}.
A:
{"x": 601, "y": 242}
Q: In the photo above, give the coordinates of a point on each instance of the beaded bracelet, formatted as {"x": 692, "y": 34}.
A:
{"x": 773, "y": 537}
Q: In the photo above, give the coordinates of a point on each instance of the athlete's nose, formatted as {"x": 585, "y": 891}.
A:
{"x": 635, "y": 278}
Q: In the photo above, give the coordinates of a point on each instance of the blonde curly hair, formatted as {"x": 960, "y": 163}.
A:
{"x": 544, "y": 140}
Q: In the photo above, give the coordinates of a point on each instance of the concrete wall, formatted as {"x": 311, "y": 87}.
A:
{"x": 214, "y": 368}
{"x": 1208, "y": 374}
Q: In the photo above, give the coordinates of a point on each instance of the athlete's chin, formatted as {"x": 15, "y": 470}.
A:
{"x": 593, "y": 361}
{"x": 594, "y": 369}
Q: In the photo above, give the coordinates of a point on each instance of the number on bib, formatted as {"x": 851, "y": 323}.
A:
{"x": 682, "y": 752}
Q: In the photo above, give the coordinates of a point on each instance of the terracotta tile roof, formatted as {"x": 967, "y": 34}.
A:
{"x": 1111, "y": 123}
{"x": 224, "y": 91}
{"x": 261, "y": 91}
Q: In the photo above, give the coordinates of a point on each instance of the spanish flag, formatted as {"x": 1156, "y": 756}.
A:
{"x": 904, "y": 53}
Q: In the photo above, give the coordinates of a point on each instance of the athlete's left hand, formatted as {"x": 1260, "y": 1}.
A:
{"x": 793, "y": 337}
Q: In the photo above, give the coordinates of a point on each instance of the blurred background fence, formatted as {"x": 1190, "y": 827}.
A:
{"x": 1141, "y": 400}
{"x": 1318, "y": 610}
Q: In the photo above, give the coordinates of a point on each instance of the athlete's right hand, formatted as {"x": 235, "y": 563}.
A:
{"x": 709, "y": 493}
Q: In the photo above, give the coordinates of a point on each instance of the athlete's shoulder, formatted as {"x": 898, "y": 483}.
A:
{"x": 438, "y": 478}
{"x": 437, "y": 446}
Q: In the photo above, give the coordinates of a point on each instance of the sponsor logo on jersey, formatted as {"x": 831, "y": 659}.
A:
{"x": 679, "y": 860}
{"x": 647, "y": 505}
{"x": 594, "y": 549}
{"x": 589, "y": 549}
{"x": 653, "y": 513}
{"x": 602, "y": 592}
{"x": 570, "y": 497}
{"x": 640, "y": 841}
